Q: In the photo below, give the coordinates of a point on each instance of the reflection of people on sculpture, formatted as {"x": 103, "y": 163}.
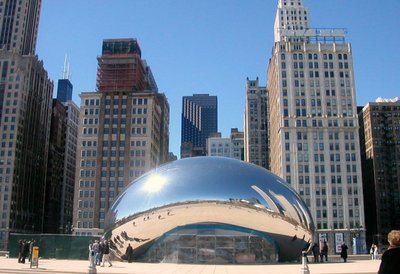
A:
{"x": 140, "y": 240}
{"x": 118, "y": 242}
{"x": 127, "y": 238}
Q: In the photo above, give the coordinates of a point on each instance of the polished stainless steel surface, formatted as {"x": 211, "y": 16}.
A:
{"x": 239, "y": 198}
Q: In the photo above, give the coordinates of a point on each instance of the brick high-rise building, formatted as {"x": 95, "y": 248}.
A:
{"x": 380, "y": 143}
{"x": 314, "y": 138}
{"x": 25, "y": 114}
{"x": 123, "y": 132}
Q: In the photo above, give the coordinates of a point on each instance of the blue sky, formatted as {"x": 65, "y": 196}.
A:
{"x": 212, "y": 46}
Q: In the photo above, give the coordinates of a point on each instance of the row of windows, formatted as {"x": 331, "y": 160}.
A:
{"x": 321, "y": 180}
{"x": 85, "y": 214}
{"x": 112, "y": 183}
{"x": 85, "y": 204}
{"x": 89, "y": 143}
{"x": 116, "y": 101}
{"x": 317, "y": 92}
{"x": 91, "y": 111}
{"x": 86, "y": 193}
{"x": 338, "y": 213}
{"x": 92, "y": 102}
{"x": 328, "y": 83}
{"x": 305, "y": 169}
{"x": 337, "y": 225}
{"x": 89, "y": 153}
{"x": 88, "y": 173}
{"x": 315, "y": 56}
{"x": 85, "y": 225}
{"x": 86, "y": 184}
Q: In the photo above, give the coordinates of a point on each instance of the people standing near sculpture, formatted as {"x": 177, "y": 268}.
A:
{"x": 343, "y": 252}
{"x": 106, "y": 254}
{"x": 21, "y": 250}
{"x": 390, "y": 263}
{"x": 315, "y": 251}
{"x": 129, "y": 253}
{"x": 323, "y": 251}
{"x": 371, "y": 251}
{"x": 95, "y": 248}
{"x": 376, "y": 253}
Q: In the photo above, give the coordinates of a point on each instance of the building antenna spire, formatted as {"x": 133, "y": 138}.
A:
{"x": 66, "y": 68}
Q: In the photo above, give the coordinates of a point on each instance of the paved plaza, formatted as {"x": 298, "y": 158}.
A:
{"x": 359, "y": 266}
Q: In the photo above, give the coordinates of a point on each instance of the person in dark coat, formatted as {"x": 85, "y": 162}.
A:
{"x": 21, "y": 250}
{"x": 390, "y": 262}
{"x": 25, "y": 251}
{"x": 343, "y": 253}
{"x": 315, "y": 251}
{"x": 129, "y": 253}
{"x": 106, "y": 254}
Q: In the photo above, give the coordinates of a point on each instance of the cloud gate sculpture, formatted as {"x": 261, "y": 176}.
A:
{"x": 209, "y": 210}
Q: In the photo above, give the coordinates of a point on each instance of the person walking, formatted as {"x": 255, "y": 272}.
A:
{"x": 106, "y": 254}
{"x": 324, "y": 251}
{"x": 99, "y": 258}
{"x": 25, "y": 251}
{"x": 92, "y": 256}
{"x": 21, "y": 250}
{"x": 95, "y": 248}
{"x": 376, "y": 253}
{"x": 343, "y": 252}
{"x": 129, "y": 253}
{"x": 31, "y": 245}
{"x": 371, "y": 251}
{"x": 390, "y": 262}
{"x": 315, "y": 251}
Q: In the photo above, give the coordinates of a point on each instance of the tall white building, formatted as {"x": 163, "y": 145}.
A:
{"x": 314, "y": 139}
{"x": 255, "y": 124}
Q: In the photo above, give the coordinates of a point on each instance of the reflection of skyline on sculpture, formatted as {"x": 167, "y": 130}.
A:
{"x": 209, "y": 190}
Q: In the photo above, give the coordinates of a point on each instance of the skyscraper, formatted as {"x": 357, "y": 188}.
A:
{"x": 55, "y": 169}
{"x": 256, "y": 124}
{"x": 65, "y": 87}
{"x": 199, "y": 120}
{"x": 314, "y": 138}
{"x": 64, "y": 95}
{"x": 25, "y": 114}
{"x": 123, "y": 132}
{"x": 70, "y": 150}
{"x": 380, "y": 143}
{"x": 19, "y": 20}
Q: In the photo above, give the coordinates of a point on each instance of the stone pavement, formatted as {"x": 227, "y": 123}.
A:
{"x": 11, "y": 266}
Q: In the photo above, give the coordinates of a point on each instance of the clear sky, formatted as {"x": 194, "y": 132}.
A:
{"x": 212, "y": 46}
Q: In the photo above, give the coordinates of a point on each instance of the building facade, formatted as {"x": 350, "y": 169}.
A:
{"x": 199, "y": 120}
{"x": 314, "y": 138}
{"x": 68, "y": 184}
{"x": 123, "y": 133}
{"x": 55, "y": 168}
{"x": 19, "y": 20}
{"x": 64, "y": 90}
{"x": 256, "y": 124}
{"x": 232, "y": 147}
{"x": 25, "y": 115}
{"x": 380, "y": 150}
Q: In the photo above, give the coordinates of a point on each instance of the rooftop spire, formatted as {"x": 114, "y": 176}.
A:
{"x": 66, "y": 69}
